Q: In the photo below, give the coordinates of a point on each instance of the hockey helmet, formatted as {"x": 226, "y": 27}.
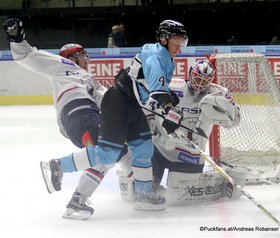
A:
{"x": 72, "y": 50}
{"x": 169, "y": 28}
{"x": 201, "y": 74}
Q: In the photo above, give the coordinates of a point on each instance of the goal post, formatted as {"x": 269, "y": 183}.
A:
{"x": 254, "y": 144}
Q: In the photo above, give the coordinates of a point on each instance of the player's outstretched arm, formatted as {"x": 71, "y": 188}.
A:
{"x": 16, "y": 36}
{"x": 29, "y": 57}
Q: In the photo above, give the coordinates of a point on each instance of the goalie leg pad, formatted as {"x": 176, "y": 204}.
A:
{"x": 126, "y": 186}
{"x": 125, "y": 163}
{"x": 187, "y": 189}
{"x": 239, "y": 178}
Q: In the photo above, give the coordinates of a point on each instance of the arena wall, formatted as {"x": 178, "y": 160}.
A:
{"x": 19, "y": 86}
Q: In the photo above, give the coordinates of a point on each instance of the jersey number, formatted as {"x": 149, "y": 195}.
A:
{"x": 162, "y": 80}
{"x": 153, "y": 106}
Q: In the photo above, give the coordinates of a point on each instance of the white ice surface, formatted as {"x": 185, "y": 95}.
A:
{"x": 29, "y": 134}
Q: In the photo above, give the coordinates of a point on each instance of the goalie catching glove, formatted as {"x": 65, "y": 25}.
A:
{"x": 14, "y": 30}
{"x": 172, "y": 119}
{"x": 221, "y": 110}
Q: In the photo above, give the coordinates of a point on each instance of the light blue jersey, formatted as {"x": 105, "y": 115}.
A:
{"x": 152, "y": 70}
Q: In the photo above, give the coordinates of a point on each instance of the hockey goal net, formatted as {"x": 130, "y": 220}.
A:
{"x": 254, "y": 145}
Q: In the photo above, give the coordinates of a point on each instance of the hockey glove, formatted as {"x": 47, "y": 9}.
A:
{"x": 174, "y": 98}
{"x": 14, "y": 30}
{"x": 172, "y": 119}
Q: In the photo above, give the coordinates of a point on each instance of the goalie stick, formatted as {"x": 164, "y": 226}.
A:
{"x": 198, "y": 131}
{"x": 234, "y": 184}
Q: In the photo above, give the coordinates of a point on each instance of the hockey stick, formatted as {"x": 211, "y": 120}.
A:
{"x": 198, "y": 131}
{"x": 241, "y": 169}
{"x": 234, "y": 184}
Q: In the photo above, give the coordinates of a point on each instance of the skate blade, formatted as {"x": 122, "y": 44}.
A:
{"x": 72, "y": 214}
{"x": 140, "y": 206}
{"x": 44, "y": 169}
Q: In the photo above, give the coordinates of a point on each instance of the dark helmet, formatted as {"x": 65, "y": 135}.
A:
{"x": 169, "y": 28}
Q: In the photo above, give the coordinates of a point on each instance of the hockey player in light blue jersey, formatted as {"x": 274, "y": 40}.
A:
{"x": 122, "y": 119}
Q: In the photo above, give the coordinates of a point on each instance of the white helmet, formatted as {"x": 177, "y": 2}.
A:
{"x": 201, "y": 74}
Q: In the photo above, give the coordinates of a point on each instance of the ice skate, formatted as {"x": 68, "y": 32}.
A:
{"x": 149, "y": 202}
{"x": 159, "y": 190}
{"x": 78, "y": 207}
{"x": 52, "y": 180}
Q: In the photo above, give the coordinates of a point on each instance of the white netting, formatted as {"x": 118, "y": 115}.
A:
{"x": 255, "y": 143}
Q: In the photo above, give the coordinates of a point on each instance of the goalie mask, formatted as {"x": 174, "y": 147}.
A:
{"x": 169, "y": 28}
{"x": 201, "y": 75}
{"x": 73, "y": 50}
